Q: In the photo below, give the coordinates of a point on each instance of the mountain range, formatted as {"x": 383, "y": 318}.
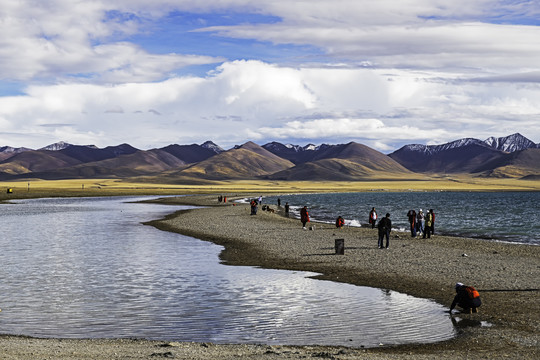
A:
{"x": 512, "y": 156}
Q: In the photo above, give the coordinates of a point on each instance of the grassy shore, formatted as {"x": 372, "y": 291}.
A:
{"x": 506, "y": 274}
{"x": 113, "y": 187}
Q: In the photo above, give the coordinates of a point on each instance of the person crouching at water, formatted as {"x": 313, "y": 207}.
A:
{"x": 384, "y": 226}
{"x": 304, "y": 217}
{"x": 340, "y": 222}
{"x": 467, "y": 298}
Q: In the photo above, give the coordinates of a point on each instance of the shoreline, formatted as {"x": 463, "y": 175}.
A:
{"x": 502, "y": 273}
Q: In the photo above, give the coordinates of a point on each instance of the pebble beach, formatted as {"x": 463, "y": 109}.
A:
{"x": 507, "y": 276}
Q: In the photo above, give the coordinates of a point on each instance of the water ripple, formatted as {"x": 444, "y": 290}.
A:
{"x": 82, "y": 268}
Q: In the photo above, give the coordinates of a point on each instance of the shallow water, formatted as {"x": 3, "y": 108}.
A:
{"x": 505, "y": 216}
{"x": 88, "y": 268}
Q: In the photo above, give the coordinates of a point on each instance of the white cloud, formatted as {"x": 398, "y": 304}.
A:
{"x": 380, "y": 72}
{"x": 60, "y": 38}
{"x": 253, "y": 100}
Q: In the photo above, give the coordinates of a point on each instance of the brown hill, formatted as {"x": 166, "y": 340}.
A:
{"x": 137, "y": 164}
{"x": 446, "y": 158}
{"x": 243, "y": 162}
{"x": 350, "y": 162}
{"x": 525, "y": 163}
{"x": 36, "y": 161}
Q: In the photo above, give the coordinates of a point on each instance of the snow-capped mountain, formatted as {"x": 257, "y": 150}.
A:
{"x": 61, "y": 145}
{"x": 511, "y": 143}
{"x": 212, "y": 146}
{"x": 463, "y": 155}
{"x": 434, "y": 149}
{"x": 296, "y": 153}
{"x": 12, "y": 150}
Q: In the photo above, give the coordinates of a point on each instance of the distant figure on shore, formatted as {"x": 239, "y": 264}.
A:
{"x": 304, "y": 216}
{"x": 340, "y": 222}
{"x": 287, "y": 209}
{"x": 372, "y": 217}
{"x": 432, "y": 221}
{"x": 412, "y": 221}
{"x": 428, "y": 225}
{"x": 420, "y": 222}
{"x": 279, "y": 202}
{"x": 384, "y": 226}
{"x": 253, "y": 204}
{"x": 260, "y": 200}
{"x": 467, "y": 298}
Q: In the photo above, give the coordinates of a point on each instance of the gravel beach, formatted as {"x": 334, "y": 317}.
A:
{"x": 507, "y": 276}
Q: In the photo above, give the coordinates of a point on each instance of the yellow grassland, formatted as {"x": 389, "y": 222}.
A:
{"x": 113, "y": 187}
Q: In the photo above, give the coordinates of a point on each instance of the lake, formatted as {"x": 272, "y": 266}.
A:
{"x": 88, "y": 268}
{"x": 504, "y": 216}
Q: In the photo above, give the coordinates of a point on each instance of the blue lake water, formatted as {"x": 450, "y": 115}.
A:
{"x": 505, "y": 216}
{"x": 88, "y": 268}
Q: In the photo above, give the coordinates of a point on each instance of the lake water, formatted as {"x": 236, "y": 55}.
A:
{"x": 505, "y": 216}
{"x": 88, "y": 268}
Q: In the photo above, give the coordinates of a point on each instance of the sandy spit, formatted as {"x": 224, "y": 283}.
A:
{"x": 507, "y": 276}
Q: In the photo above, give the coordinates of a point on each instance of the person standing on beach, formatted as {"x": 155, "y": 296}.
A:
{"x": 253, "y": 204}
{"x": 373, "y": 217}
{"x": 384, "y": 226}
{"x": 432, "y": 221}
{"x": 420, "y": 222}
{"x": 467, "y": 298}
{"x": 304, "y": 216}
{"x": 428, "y": 224}
{"x": 412, "y": 221}
{"x": 287, "y": 209}
{"x": 340, "y": 222}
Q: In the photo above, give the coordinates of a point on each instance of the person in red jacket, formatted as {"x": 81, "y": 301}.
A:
{"x": 372, "y": 217}
{"x": 304, "y": 216}
{"x": 340, "y": 222}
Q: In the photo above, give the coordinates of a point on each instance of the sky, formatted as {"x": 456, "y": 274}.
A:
{"x": 383, "y": 73}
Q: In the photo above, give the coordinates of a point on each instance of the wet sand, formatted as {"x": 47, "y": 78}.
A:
{"x": 507, "y": 276}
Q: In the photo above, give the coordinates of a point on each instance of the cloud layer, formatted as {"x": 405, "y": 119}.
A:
{"x": 151, "y": 74}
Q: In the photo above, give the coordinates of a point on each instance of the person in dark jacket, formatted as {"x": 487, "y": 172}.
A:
{"x": 412, "y": 221}
{"x": 428, "y": 225}
{"x": 467, "y": 298}
{"x": 384, "y": 226}
{"x": 304, "y": 217}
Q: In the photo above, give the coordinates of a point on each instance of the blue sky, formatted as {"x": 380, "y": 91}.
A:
{"x": 382, "y": 73}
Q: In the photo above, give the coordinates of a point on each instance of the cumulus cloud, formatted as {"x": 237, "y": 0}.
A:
{"x": 59, "y": 38}
{"x": 253, "y": 100}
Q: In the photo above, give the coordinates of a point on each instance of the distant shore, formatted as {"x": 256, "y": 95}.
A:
{"x": 507, "y": 275}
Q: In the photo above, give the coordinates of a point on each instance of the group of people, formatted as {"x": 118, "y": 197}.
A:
{"x": 420, "y": 223}
{"x": 467, "y": 297}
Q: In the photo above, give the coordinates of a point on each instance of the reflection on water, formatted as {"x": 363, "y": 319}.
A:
{"x": 87, "y": 268}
